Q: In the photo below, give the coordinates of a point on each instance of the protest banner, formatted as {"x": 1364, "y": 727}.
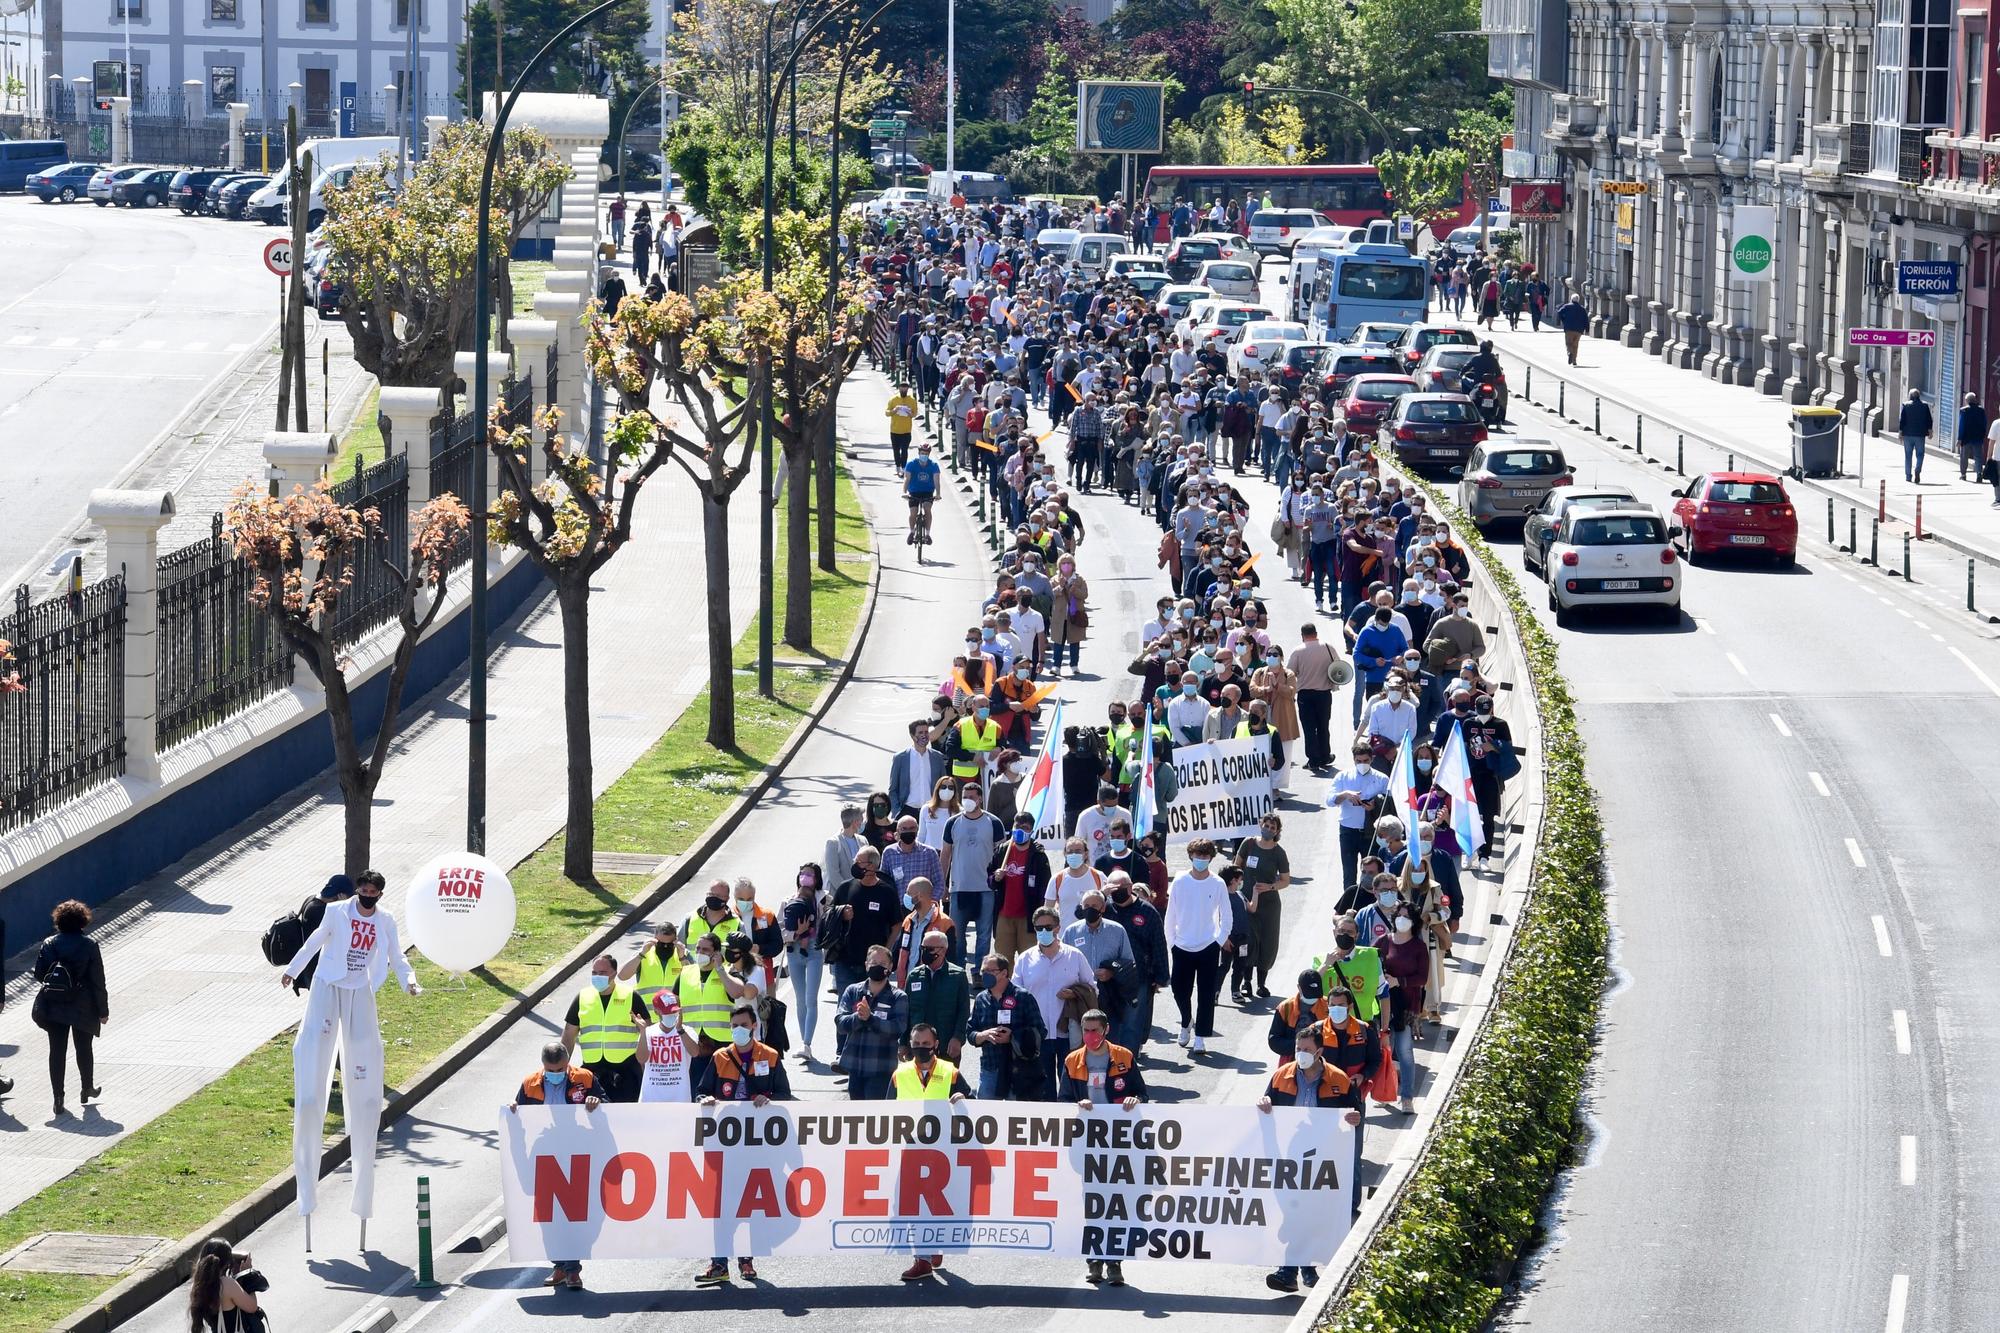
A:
{"x": 1225, "y": 789}
{"x": 1223, "y": 1184}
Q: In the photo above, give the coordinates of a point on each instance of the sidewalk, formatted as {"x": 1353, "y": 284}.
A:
{"x": 191, "y": 994}
{"x": 1755, "y": 427}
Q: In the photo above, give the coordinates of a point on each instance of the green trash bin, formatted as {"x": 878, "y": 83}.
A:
{"x": 1816, "y": 441}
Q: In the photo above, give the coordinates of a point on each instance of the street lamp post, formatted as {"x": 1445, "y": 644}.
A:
{"x": 482, "y": 390}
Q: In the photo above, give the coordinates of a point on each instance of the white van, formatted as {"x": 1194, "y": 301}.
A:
{"x": 270, "y": 202}
{"x": 1094, "y": 249}
{"x": 975, "y": 186}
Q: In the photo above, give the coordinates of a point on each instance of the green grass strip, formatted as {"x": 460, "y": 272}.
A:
{"x": 175, "y": 1174}
{"x": 1470, "y": 1208}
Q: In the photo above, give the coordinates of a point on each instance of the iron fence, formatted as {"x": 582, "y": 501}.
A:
{"x": 66, "y": 733}
{"x": 218, "y": 654}
{"x": 374, "y": 592}
{"x": 453, "y": 438}
{"x": 517, "y": 401}
{"x": 549, "y": 382}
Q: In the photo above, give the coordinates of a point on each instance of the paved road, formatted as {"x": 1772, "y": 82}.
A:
{"x": 452, "y": 1139}
{"x": 112, "y": 323}
{"x": 1792, "y": 1105}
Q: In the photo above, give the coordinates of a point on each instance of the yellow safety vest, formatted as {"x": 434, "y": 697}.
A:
{"x": 976, "y": 741}
{"x": 704, "y": 1004}
{"x": 910, "y": 1086}
{"x": 656, "y": 976}
{"x": 604, "y": 1031}
{"x": 698, "y": 929}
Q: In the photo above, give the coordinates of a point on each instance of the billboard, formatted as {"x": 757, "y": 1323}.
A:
{"x": 1535, "y": 203}
{"x": 1752, "y": 246}
{"x": 1120, "y": 117}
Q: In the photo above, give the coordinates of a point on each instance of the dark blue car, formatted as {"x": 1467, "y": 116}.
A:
{"x": 65, "y": 184}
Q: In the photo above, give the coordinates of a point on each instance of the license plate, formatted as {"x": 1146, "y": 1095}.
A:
{"x": 1621, "y": 585}
{"x": 1522, "y": 495}
{"x": 1745, "y": 539}
{"x": 1441, "y": 453}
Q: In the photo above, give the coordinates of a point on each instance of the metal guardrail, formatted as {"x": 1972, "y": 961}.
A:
{"x": 66, "y": 733}
{"x": 217, "y": 653}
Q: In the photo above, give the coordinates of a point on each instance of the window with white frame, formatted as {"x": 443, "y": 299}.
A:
{"x": 1972, "y": 124}
{"x": 1927, "y": 92}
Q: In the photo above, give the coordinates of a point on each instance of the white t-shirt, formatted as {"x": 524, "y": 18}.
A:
{"x": 1070, "y": 889}
{"x": 666, "y": 1078}
{"x": 355, "y": 951}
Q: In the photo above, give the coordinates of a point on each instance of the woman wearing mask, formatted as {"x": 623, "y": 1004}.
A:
{"x": 1003, "y": 790}
{"x": 1419, "y": 888}
{"x": 1076, "y": 878}
{"x": 1406, "y": 964}
{"x": 800, "y": 921}
{"x": 880, "y": 829}
{"x": 1267, "y": 872}
{"x": 935, "y": 813}
{"x": 1069, "y": 615}
{"x": 1274, "y": 684}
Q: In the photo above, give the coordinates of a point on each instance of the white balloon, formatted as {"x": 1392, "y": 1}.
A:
{"x": 460, "y": 911}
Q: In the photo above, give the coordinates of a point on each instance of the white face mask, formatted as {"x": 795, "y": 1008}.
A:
{"x": 1403, "y": 925}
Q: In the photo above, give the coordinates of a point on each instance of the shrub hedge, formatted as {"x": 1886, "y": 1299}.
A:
{"x": 1470, "y": 1207}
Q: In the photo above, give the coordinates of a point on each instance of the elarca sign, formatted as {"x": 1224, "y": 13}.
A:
{"x": 639, "y": 1182}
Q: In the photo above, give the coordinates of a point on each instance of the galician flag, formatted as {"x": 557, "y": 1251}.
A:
{"x": 1403, "y": 787}
{"x": 1142, "y": 798}
{"x": 1043, "y": 799}
{"x": 1454, "y": 775}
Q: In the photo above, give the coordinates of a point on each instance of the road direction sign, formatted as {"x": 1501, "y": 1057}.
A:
{"x": 1891, "y": 338}
{"x": 887, "y": 128}
{"x": 278, "y": 256}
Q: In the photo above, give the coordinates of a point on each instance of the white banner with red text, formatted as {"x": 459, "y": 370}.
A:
{"x": 1227, "y": 1184}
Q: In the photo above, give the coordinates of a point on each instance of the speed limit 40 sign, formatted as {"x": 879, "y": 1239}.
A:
{"x": 278, "y": 256}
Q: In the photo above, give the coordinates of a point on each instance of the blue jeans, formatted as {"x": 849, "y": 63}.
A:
{"x": 1135, "y": 1025}
{"x": 1402, "y": 1044}
{"x": 1267, "y": 448}
{"x": 1055, "y": 1050}
{"x": 1913, "y": 457}
{"x": 973, "y": 910}
{"x": 1322, "y": 566}
{"x": 805, "y": 966}
{"x": 1281, "y": 471}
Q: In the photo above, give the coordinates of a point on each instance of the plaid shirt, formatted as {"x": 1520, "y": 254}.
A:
{"x": 1086, "y": 423}
{"x": 901, "y": 865}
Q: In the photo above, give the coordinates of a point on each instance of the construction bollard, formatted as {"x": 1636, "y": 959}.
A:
{"x": 1970, "y": 565}
{"x": 1731, "y": 466}
{"x": 1528, "y": 388}
{"x": 1680, "y": 455}
{"x": 1597, "y": 416}
{"x": 1906, "y": 558}
{"x": 1562, "y": 399}
{"x": 1639, "y": 436}
{"x": 1853, "y": 526}
{"x": 1875, "y": 542}
{"x": 1882, "y": 501}
{"x": 1829, "y": 520}
{"x": 1920, "y": 518}
{"x": 425, "y": 1278}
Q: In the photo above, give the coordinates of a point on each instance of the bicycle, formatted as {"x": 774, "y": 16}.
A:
{"x": 920, "y": 523}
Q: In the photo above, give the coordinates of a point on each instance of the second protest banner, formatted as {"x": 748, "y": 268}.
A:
{"x": 1225, "y": 789}
{"x": 1227, "y": 1184}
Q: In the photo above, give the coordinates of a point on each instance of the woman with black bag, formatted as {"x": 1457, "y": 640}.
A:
{"x": 71, "y": 1005}
{"x": 222, "y": 1294}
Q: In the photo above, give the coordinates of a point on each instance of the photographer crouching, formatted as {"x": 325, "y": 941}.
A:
{"x": 222, "y": 1295}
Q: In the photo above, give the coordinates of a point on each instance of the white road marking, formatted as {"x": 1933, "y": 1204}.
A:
{"x": 109, "y": 345}
{"x": 1938, "y": 637}
{"x": 1920, "y": 624}
{"x": 1854, "y": 855}
{"x": 1882, "y": 937}
{"x": 1899, "y": 1303}
{"x": 20, "y": 340}
{"x": 1842, "y": 577}
{"x": 1779, "y": 723}
{"x": 1904, "y": 614}
{"x": 1706, "y": 628}
{"x": 237, "y": 347}
{"x": 1901, "y": 1022}
{"x": 1737, "y": 662}
{"x": 1819, "y": 784}
{"x": 194, "y": 347}
{"x": 1971, "y": 666}
{"x": 152, "y": 344}
{"x": 1908, "y": 1172}
{"x": 64, "y": 342}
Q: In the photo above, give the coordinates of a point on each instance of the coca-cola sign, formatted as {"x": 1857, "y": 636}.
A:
{"x": 1535, "y": 203}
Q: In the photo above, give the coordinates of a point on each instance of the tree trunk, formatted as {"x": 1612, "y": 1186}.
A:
{"x": 503, "y": 301}
{"x": 798, "y": 547}
{"x": 823, "y": 481}
{"x": 580, "y": 828}
{"x": 721, "y": 647}
{"x": 357, "y": 783}
{"x": 295, "y": 316}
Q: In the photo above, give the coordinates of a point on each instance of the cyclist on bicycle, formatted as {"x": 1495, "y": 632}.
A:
{"x": 920, "y": 485}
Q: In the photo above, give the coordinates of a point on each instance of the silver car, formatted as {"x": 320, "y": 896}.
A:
{"x": 1509, "y": 478}
{"x": 1539, "y": 528}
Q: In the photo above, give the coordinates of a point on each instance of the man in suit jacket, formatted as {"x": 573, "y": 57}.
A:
{"x": 914, "y": 772}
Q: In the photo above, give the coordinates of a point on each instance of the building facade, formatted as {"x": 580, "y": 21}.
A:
{"x": 192, "y": 58}
{"x": 1860, "y": 123}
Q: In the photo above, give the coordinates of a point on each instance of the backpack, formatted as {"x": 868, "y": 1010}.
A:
{"x": 283, "y": 939}
{"x": 54, "y": 997}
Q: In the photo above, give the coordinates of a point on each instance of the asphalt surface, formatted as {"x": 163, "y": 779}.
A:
{"x": 1791, "y": 1109}
{"x": 113, "y": 322}
{"x": 921, "y": 614}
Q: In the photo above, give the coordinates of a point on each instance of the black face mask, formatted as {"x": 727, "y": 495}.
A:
{"x": 1093, "y": 914}
{"x": 923, "y": 1055}
{"x": 368, "y": 900}
{"x": 906, "y": 836}
{"x": 1343, "y": 942}
{"x": 714, "y": 904}
{"x": 935, "y": 957}
{"x": 1122, "y": 896}
{"x": 877, "y": 972}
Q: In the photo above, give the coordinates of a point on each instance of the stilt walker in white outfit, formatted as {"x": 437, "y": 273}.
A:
{"x": 357, "y": 944}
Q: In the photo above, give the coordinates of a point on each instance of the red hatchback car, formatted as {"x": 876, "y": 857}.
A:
{"x": 1368, "y": 400}
{"x": 1746, "y": 512}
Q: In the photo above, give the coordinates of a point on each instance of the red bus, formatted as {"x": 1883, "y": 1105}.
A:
{"x": 1346, "y": 195}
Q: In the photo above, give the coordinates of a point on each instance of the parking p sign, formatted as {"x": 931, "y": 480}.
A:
{"x": 1752, "y": 244}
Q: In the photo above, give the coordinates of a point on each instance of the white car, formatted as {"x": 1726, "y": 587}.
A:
{"x": 1262, "y": 343}
{"x": 1274, "y": 231}
{"x": 1235, "y": 278}
{"x": 1214, "y": 319}
{"x": 1614, "y": 557}
{"x": 1328, "y": 241}
{"x": 1232, "y": 245}
{"x": 1132, "y": 262}
{"x": 1057, "y": 242}
{"x": 890, "y": 200}
{"x": 1173, "y": 300}
{"x": 1379, "y": 334}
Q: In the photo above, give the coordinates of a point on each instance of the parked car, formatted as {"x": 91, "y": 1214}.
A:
{"x": 211, "y": 193}
{"x": 1056, "y": 241}
{"x": 1274, "y": 231}
{"x": 1146, "y": 281}
{"x": 1173, "y": 300}
{"x": 1301, "y": 360}
{"x": 1369, "y": 400}
{"x": 63, "y": 184}
{"x": 145, "y": 189}
{"x": 1442, "y": 369}
{"x": 234, "y": 201}
{"x": 1376, "y": 333}
{"x": 1430, "y": 430}
{"x": 1262, "y": 341}
{"x": 1231, "y": 245}
{"x": 189, "y": 188}
{"x": 106, "y": 177}
{"x": 1539, "y": 528}
{"x": 1614, "y": 557}
{"x": 1131, "y": 262}
{"x": 1215, "y": 319}
{"x": 1509, "y": 478}
{"x": 22, "y": 158}
{"x": 1739, "y": 512}
{"x": 1229, "y": 277}
{"x": 1420, "y": 338}
{"x": 1343, "y": 361}
{"x": 1187, "y": 254}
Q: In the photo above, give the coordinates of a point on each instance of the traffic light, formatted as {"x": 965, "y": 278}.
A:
{"x": 1249, "y": 95}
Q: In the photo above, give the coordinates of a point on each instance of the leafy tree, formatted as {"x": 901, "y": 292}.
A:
{"x": 302, "y": 548}
{"x": 608, "y": 58}
{"x": 11, "y": 682}
{"x": 1389, "y": 55}
{"x": 996, "y": 40}
{"x": 407, "y": 257}
{"x": 1425, "y": 183}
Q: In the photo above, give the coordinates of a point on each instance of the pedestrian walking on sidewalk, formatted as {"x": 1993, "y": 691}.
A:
{"x": 1989, "y": 468}
{"x": 1971, "y": 437}
{"x": 1914, "y": 423}
{"x": 1489, "y": 301}
{"x": 616, "y": 212}
{"x": 72, "y": 1005}
{"x": 642, "y": 248}
{"x": 1575, "y": 321}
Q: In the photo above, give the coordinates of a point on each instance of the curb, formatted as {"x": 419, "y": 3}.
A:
{"x": 146, "y": 1287}
{"x": 1508, "y": 909}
